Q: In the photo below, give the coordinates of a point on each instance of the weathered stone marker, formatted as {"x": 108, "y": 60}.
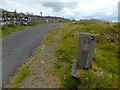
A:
{"x": 86, "y": 50}
{"x": 87, "y": 43}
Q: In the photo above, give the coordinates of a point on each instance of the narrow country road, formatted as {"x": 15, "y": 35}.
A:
{"x": 17, "y": 46}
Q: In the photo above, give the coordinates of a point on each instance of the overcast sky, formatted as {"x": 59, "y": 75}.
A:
{"x": 72, "y": 9}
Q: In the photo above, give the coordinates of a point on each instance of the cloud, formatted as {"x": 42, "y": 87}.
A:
{"x": 58, "y": 6}
{"x": 105, "y": 10}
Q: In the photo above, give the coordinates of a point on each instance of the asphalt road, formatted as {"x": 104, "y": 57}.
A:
{"x": 17, "y": 46}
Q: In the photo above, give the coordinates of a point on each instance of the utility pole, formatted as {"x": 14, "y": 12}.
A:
{"x": 41, "y": 14}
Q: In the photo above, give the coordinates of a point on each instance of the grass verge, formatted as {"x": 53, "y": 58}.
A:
{"x": 13, "y": 28}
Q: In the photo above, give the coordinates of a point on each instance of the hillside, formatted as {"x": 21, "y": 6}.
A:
{"x": 59, "y": 52}
{"x": 106, "y": 56}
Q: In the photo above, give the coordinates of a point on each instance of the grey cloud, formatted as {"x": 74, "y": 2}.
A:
{"x": 58, "y": 6}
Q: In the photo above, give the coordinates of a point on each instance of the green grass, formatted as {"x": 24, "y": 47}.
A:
{"x": 13, "y": 28}
{"x": 66, "y": 78}
{"x": 23, "y": 72}
{"x": 106, "y": 57}
{"x": 58, "y": 65}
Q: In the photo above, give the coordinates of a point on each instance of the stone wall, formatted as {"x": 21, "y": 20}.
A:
{"x": 15, "y": 18}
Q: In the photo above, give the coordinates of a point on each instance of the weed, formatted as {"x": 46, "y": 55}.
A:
{"x": 58, "y": 65}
